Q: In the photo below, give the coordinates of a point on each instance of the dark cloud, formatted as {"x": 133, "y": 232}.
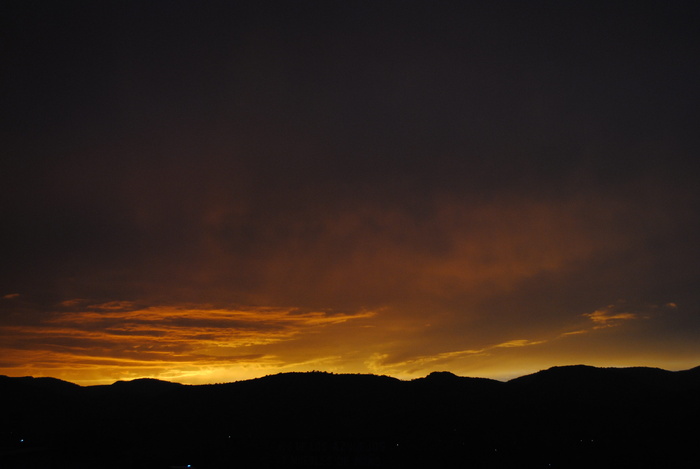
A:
{"x": 502, "y": 168}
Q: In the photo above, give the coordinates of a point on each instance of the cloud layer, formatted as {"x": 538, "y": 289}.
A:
{"x": 218, "y": 191}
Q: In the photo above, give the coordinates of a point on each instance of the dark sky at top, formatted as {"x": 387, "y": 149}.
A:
{"x": 493, "y": 168}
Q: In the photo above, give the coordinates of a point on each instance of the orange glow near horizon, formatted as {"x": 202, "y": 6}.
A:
{"x": 89, "y": 344}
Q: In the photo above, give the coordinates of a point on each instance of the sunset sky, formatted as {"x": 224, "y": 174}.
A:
{"x": 215, "y": 191}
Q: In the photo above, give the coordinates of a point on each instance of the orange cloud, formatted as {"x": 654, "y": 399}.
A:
{"x": 372, "y": 254}
{"x": 385, "y": 363}
{"x": 607, "y": 317}
{"x": 160, "y": 340}
{"x": 617, "y": 313}
{"x": 519, "y": 343}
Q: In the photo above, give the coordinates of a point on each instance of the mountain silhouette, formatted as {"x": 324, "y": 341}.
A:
{"x": 573, "y": 416}
{"x": 31, "y": 384}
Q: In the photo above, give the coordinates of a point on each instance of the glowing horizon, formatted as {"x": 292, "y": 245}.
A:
{"x": 100, "y": 343}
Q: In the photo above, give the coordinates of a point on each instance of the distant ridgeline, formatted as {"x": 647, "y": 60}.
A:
{"x": 566, "y": 417}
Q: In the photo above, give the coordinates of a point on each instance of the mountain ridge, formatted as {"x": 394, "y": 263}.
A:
{"x": 434, "y": 376}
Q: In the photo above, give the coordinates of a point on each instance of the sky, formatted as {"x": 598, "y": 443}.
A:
{"x": 214, "y": 191}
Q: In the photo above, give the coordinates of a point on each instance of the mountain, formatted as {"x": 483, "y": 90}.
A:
{"x": 146, "y": 384}
{"x": 574, "y": 416}
{"x": 31, "y": 384}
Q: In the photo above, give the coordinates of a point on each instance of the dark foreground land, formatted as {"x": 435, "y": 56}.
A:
{"x": 565, "y": 417}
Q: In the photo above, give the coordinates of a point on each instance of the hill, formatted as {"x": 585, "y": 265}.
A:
{"x": 576, "y": 416}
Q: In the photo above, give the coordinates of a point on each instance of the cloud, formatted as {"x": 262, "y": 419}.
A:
{"x": 11, "y": 296}
{"x": 72, "y": 303}
{"x": 353, "y": 253}
{"x": 547, "y": 346}
{"x": 114, "y": 306}
{"x": 608, "y": 317}
{"x": 386, "y": 363}
{"x": 576, "y": 332}
{"x": 519, "y": 343}
{"x": 620, "y": 312}
{"x": 162, "y": 339}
